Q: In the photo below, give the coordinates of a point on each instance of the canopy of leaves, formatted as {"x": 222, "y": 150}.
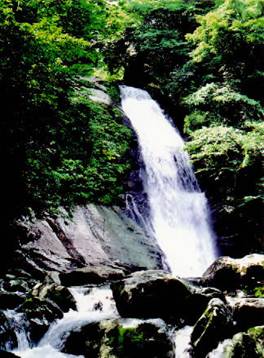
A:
{"x": 230, "y": 39}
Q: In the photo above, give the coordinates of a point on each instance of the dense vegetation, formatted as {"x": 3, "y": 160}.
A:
{"x": 57, "y": 146}
{"x": 202, "y": 59}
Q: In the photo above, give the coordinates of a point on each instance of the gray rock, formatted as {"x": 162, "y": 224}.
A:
{"x": 10, "y": 300}
{"x": 95, "y": 236}
{"x": 99, "y": 96}
{"x": 151, "y": 294}
{"x": 4, "y": 354}
{"x": 214, "y": 325}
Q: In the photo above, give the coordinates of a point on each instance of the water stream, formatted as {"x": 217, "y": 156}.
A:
{"x": 93, "y": 305}
{"x": 179, "y": 217}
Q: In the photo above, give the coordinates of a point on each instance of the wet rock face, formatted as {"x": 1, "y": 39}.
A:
{"x": 214, "y": 325}
{"x": 229, "y": 274}
{"x": 95, "y": 236}
{"x": 119, "y": 339}
{"x": 157, "y": 294}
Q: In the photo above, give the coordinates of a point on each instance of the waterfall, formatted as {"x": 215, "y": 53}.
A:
{"x": 178, "y": 218}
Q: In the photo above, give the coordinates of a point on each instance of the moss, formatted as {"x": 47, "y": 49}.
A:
{"x": 259, "y": 292}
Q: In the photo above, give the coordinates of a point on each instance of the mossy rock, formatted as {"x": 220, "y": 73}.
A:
{"x": 246, "y": 344}
{"x": 214, "y": 325}
{"x": 119, "y": 339}
{"x": 148, "y": 339}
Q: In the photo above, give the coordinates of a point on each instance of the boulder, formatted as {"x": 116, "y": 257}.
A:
{"x": 57, "y": 294}
{"x": 229, "y": 274}
{"x": 248, "y": 312}
{"x": 157, "y": 294}
{"x": 90, "y": 275}
{"x": 214, "y": 325}
{"x": 119, "y": 339}
{"x": 151, "y": 294}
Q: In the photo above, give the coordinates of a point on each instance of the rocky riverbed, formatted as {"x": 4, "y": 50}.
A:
{"x": 94, "y": 286}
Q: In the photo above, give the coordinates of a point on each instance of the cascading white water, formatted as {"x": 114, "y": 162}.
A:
{"x": 93, "y": 305}
{"x": 183, "y": 342}
{"x": 178, "y": 209}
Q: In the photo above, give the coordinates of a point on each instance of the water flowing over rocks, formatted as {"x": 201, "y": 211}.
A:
{"x": 8, "y": 338}
{"x": 40, "y": 314}
{"x": 54, "y": 320}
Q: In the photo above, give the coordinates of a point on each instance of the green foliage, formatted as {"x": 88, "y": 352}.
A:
{"x": 215, "y": 104}
{"x": 230, "y": 39}
{"x": 224, "y": 153}
{"x": 154, "y": 51}
{"x": 87, "y": 159}
{"x": 228, "y": 163}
